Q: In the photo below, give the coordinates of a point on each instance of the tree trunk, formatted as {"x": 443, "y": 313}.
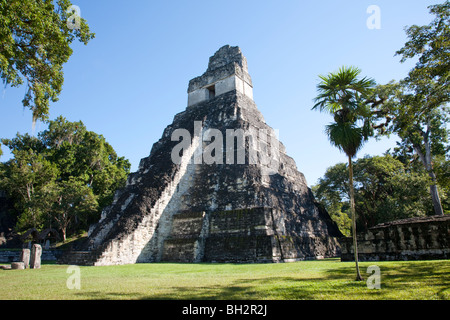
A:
{"x": 353, "y": 213}
{"x": 426, "y": 161}
{"x": 435, "y": 196}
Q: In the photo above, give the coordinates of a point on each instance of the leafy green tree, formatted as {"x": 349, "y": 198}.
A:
{"x": 332, "y": 191}
{"x": 405, "y": 153}
{"x": 27, "y": 178}
{"x": 416, "y": 108}
{"x": 442, "y": 168}
{"x": 74, "y": 201}
{"x": 35, "y": 39}
{"x": 342, "y": 94}
{"x": 421, "y": 126}
{"x": 385, "y": 190}
{"x": 65, "y": 175}
{"x": 431, "y": 45}
{"x": 85, "y": 155}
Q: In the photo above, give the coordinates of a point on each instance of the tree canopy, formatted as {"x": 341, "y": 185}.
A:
{"x": 341, "y": 94}
{"x": 385, "y": 190}
{"x": 431, "y": 45}
{"x": 62, "y": 177}
{"x": 35, "y": 39}
{"x": 416, "y": 108}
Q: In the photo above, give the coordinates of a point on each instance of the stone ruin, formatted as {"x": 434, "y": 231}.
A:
{"x": 217, "y": 187}
{"x": 28, "y": 259}
{"x": 420, "y": 238}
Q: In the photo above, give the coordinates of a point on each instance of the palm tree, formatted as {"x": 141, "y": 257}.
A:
{"x": 342, "y": 94}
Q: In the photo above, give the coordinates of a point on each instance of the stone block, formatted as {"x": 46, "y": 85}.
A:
{"x": 35, "y": 259}
{"x": 17, "y": 265}
{"x": 25, "y": 257}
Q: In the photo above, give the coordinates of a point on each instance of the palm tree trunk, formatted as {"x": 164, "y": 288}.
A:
{"x": 353, "y": 213}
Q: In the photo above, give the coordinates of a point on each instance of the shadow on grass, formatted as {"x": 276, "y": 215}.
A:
{"x": 399, "y": 280}
{"x": 241, "y": 289}
{"x": 246, "y": 290}
{"x": 405, "y": 279}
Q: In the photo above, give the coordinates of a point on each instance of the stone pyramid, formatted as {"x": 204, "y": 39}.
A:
{"x": 217, "y": 187}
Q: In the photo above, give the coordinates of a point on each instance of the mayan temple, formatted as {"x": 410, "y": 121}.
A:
{"x": 217, "y": 187}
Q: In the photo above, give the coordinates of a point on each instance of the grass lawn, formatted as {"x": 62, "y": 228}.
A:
{"x": 322, "y": 279}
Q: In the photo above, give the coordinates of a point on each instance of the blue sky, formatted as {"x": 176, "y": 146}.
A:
{"x": 130, "y": 81}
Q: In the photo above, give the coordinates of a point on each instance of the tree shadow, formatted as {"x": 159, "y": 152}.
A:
{"x": 333, "y": 283}
{"x": 401, "y": 276}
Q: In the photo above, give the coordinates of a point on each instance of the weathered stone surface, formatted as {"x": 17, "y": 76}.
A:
{"x": 255, "y": 208}
{"x": 186, "y": 241}
{"x": 227, "y": 61}
{"x": 17, "y": 265}
{"x": 227, "y": 71}
{"x": 25, "y": 257}
{"x": 35, "y": 259}
{"x": 423, "y": 238}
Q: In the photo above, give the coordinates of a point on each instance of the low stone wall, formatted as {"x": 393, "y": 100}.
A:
{"x": 423, "y": 238}
{"x": 8, "y": 256}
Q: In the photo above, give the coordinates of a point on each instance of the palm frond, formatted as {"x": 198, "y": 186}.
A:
{"x": 347, "y": 137}
{"x": 341, "y": 89}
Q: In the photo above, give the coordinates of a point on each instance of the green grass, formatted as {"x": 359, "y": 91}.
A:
{"x": 323, "y": 279}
